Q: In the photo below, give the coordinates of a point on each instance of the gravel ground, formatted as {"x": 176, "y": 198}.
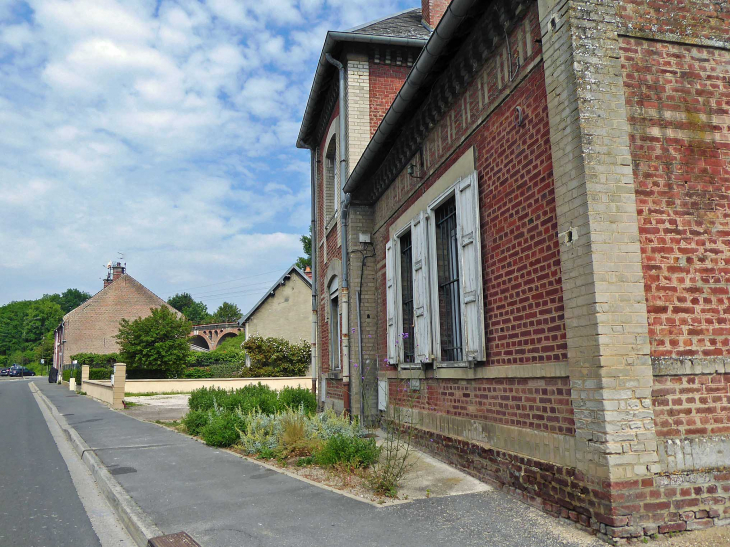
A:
{"x": 714, "y": 537}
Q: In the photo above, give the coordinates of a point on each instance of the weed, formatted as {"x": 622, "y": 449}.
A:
{"x": 396, "y": 447}
{"x": 353, "y": 451}
{"x": 303, "y": 462}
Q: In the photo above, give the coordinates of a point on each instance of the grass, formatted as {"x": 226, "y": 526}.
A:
{"x": 153, "y": 393}
{"x": 129, "y": 404}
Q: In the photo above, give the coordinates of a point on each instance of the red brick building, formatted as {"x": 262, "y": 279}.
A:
{"x": 92, "y": 327}
{"x": 537, "y": 238}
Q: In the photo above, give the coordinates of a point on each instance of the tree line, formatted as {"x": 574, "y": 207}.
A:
{"x": 26, "y": 326}
{"x": 197, "y": 312}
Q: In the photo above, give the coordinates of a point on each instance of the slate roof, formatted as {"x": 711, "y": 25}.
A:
{"x": 404, "y": 29}
{"x": 406, "y": 24}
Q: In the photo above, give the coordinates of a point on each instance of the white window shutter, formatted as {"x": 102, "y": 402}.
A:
{"x": 421, "y": 290}
{"x": 392, "y": 302}
{"x": 470, "y": 274}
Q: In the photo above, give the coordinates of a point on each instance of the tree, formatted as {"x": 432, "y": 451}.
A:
{"x": 158, "y": 341}
{"x": 181, "y": 301}
{"x": 72, "y": 299}
{"x": 42, "y": 317}
{"x": 304, "y": 261}
{"x": 197, "y": 313}
{"x": 227, "y": 313}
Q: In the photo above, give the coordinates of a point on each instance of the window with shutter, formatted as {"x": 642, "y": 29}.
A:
{"x": 391, "y": 303}
{"x": 405, "y": 250}
{"x": 470, "y": 278}
{"x": 448, "y": 282}
{"x": 421, "y": 290}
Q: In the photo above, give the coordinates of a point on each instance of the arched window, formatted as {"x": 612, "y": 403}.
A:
{"x": 331, "y": 179}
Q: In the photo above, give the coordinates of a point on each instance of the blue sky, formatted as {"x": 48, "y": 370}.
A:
{"x": 163, "y": 130}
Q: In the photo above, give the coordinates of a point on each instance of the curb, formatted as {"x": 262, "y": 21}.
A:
{"x": 139, "y": 526}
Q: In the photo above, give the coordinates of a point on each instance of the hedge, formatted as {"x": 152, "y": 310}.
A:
{"x": 98, "y": 359}
{"x": 100, "y": 373}
{"x": 276, "y": 357}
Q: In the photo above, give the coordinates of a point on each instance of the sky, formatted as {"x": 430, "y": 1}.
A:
{"x": 162, "y": 133}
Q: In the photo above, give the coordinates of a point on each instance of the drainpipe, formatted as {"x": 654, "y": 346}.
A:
{"x": 344, "y": 206}
{"x": 313, "y": 224}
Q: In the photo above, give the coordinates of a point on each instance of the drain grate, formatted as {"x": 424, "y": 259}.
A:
{"x": 181, "y": 539}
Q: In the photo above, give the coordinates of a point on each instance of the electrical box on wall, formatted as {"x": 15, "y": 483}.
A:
{"x": 382, "y": 394}
{"x": 364, "y": 238}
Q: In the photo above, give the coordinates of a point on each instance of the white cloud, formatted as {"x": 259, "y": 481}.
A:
{"x": 164, "y": 130}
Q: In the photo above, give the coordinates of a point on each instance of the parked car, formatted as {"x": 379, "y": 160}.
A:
{"x": 21, "y": 371}
{"x": 4, "y": 372}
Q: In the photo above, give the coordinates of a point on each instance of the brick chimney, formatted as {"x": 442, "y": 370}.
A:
{"x": 308, "y": 272}
{"x": 433, "y": 10}
{"x": 115, "y": 271}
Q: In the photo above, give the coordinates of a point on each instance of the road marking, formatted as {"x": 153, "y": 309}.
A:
{"x": 103, "y": 520}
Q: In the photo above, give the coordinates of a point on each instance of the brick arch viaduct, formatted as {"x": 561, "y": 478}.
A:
{"x": 210, "y": 336}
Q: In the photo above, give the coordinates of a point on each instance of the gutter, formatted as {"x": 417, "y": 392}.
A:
{"x": 442, "y": 35}
{"x": 344, "y": 207}
{"x": 332, "y": 39}
{"x": 313, "y": 235}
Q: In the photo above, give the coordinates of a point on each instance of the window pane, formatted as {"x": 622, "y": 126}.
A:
{"x": 447, "y": 264}
{"x": 334, "y": 334}
{"x": 406, "y": 281}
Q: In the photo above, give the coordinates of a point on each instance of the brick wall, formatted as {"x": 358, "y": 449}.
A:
{"x": 677, "y": 101}
{"x": 91, "y": 327}
{"x": 433, "y": 10}
{"x": 386, "y": 78}
{"x": 535, "y": 403}
{"x": 694, "y": 21}
{"x": 691, "y": 405}
{"x": 328, "y": 249}
{"x": 520, "y": 249}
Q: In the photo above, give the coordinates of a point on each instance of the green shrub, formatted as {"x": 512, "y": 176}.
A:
{"x": 276, "y": 357}
{"x": 77, "y": 375}
{"x": 197, "y": 372}
{"x": 100, "y": 373}
{"x": 223, "y": 429}
{"x": 195, "y": 420}
{"x": 96, "y": 359}
{"x": 202, "y": 399}
{"x": 146, "y": 374}
{"x": 226, "y": 370}
{"x": 352, "y": 451}
{"x": 296, "y": 397}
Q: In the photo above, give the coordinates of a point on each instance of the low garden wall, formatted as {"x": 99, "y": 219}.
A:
{"x": 186, "y": 385}
{"x": 101, "y": 390}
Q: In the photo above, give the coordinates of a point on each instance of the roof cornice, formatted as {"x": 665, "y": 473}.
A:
{"x": 333, "y": 39}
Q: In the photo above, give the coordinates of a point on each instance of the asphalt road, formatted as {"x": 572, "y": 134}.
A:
{"x": 39, "y": 504}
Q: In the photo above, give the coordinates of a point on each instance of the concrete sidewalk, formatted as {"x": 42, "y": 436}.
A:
{"x": 223, "y": 500}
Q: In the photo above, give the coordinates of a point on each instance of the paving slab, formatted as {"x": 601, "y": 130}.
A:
{"x": 223, "y": 500}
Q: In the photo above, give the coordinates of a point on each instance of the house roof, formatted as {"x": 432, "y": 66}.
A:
{"x": 91, "y": 301}
{"x": 403, "y": 29}
{"x": 406, "y": 24}
{"x": 281, "y": 281}
{"x": 434, "y": 60}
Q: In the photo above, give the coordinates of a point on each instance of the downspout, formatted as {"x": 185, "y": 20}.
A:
{"x": 344, "y": 206}
{"x": 313, "y": 234}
